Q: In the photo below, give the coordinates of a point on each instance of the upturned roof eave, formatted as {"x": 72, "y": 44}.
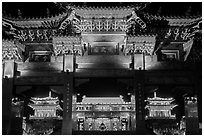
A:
{"x": 171, "y": 16}
{"x": 33, "y": 22}
{"x": 175, "y": 20}
{"x": 36, "y": 18}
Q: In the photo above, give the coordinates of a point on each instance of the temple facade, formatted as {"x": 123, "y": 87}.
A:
{"x": 45, "y": 107}
{"x": 124, "y": 43}
{"x": 160, "y": 108}
{"x": 160, "y": 117}
{"x": 103, "y": 114}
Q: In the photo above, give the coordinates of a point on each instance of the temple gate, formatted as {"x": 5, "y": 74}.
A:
{"x": 86, "y": 42}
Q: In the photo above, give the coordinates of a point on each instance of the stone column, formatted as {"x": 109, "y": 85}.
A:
{"x": 7, "y": 89}
{"x": 67, "y": 105}
{"x": 139, "y": 101}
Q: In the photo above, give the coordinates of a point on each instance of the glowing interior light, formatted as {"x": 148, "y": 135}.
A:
{"x": 160, "y": 107}
{"x": 45, "y": 107}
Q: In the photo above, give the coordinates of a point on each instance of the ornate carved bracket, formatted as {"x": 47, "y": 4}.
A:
{"x": 101, "y": 25}
{"x": 140, "y": 44}
{"x": 67, "y": 45}
{"x": 12, "y": 50}
{"x": 183, "y": 34}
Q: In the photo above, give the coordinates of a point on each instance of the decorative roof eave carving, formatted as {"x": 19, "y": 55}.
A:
{"x": 176, "y": 20}
{"x": 36, "y": 22}
{"x": 66, "y": 40}
{"x": 141, "y": 38}
{"x": 141, "y": 43}
{"x": 13, "y": 44}
{"x": 183, "y": 21}
{"x": 12, "y": 50}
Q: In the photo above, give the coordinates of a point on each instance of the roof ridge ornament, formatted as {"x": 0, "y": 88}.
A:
{"x": 155, "y": 94}
{"x": 19, "y": 14}
{"x": 67, "y": 20}
{"x": 136, "y": 18}
{"x": 50, "y": 94}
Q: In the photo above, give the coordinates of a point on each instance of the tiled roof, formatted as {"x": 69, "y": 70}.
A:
{"x": 36, "y": 22}
{"x": 155, "y": 98}
{"x": 175, "y": 20}
{"x": 49, "y": 98}
{"x": 183, "y": 21}
{"x": 118, "y": 12}
{"x": 102, "y": 100}
{"x": 148, "y": 38}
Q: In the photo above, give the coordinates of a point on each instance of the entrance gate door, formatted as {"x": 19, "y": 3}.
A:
{"x": 103, "y": 124}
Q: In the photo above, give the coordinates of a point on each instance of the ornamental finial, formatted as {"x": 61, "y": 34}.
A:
{"x": 48, "y": 12}
{"x": 189, "y": 10}
{"x": 19, "y": 13}
{"x": 50, "y": 94}
{"x": 159, "y": 11}
{"x": 155, "y": 94}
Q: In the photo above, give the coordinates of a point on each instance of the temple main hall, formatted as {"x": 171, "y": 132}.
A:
{"x": 102, "y": 68}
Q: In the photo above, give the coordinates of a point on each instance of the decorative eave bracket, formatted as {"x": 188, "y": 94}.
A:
{"x": 67, "y": 45}
{"x": 12, "y": 50}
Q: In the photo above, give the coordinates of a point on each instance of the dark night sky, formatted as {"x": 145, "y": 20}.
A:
{"x": 39, "y": 9}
